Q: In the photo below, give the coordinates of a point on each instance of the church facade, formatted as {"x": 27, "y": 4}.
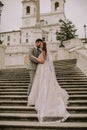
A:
{"x": 34, "y": 25}
{"x": 49, "y": 24}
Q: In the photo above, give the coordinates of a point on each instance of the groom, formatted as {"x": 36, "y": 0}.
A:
{"x": 32, "y": 62}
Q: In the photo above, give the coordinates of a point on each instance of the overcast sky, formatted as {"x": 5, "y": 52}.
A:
{"x": 75, "y": 10}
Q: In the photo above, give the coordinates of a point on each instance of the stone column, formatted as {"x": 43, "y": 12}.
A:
{"x": 2, "y": 57}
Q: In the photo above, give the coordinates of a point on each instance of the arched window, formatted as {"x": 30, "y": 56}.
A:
{"x": 34, "y": 10}
{"x": 56, "y": 5}
{"x": 42, "y": 22}
{"x": 43, "y": 38}
{"x": 8, "y": 44}
{"x": 28, "y": 9}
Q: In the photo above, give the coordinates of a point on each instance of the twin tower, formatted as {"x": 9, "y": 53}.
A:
{"x": 49, "y": 22}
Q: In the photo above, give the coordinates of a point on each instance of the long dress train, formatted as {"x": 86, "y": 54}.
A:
{"x": 49, "y": 98}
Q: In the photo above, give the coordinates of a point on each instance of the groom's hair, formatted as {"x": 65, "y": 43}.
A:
{"x": 39, "y": 40}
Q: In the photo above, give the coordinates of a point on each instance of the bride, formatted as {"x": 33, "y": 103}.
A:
{"x": 49, "y": 98}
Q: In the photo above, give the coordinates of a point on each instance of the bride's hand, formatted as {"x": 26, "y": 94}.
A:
{"x": 40, "y": 49}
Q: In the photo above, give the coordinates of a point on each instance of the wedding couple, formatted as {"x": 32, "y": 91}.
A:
{"x": 49, "y": 99}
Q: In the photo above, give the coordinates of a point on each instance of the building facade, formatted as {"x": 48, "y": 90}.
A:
{"x": 49, "y": 24}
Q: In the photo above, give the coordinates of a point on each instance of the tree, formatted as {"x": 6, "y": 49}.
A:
{"x": 67, "y": 31}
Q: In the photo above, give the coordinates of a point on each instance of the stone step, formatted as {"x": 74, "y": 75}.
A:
{"x": 70, "y": 78}
{"x": 13, "y": 103}
{"x": 14, "y": 77}
{"x": 77, "y": 103}
{"x": 13, "y": 84}
{"x": 73, "y": 86}
{"x": 26, "y": 84}
{"x": 11, "y": 92}
{"x": 73, "y": 82}
{"x": 76, "y": 89}
{"x": 22, "y": 125}
{"x": 67, "y": 81}
{"x": 69, "y": 65}
{"x": 24, "y": 97}
{"x": 74, "y": 97}
{"x": 17, "y": 109}
{"x": 67, "y": 75}
{"x": 77, "y": 92}
{"x": 77, "y": 110}
{"x": 14, "y": 87}
{"x": 14, "y": 90}
{"x": 60, "y": 78}
{"x": 14, "y": 81}
{"x": 57, "y": 74}
{"x": 25, "y": 89}
{"x": 71, "y": 103}
{"x": 25, "y": 109}
{"x": 68, "y": 70}
{"x": 13, "y": 97}
{"x": 13, "y": 74}
{"x": 33, "y": 117}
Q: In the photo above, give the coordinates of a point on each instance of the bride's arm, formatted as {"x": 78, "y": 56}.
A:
{"x": 41, "y": 59}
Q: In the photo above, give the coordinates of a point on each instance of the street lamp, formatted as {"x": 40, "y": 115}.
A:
{"x": 1, "y": 7}
{"x": 85, "y": 33}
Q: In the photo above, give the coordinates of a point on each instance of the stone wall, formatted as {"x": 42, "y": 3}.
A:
{"x": 2, "y": 57}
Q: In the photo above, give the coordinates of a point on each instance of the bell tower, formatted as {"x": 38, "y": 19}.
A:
{"x": 31, "y": 29}
{"x": 29, "y": 7}
{"x": 57, "y": 6}
{"x": 29, "y": 13}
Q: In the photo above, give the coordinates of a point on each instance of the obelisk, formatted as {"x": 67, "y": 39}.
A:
{"x": 38, "y": 12}
{"x": 37, "y": 31}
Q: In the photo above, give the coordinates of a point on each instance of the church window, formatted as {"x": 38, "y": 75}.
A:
{"x": 56, "y": 5}
{"x": 8, "y": 38}
{"x": 57, "y": 35}
{"x": 8, "y": 44}
{"x": 34, "y": 10}
{"x": 46, "y": 22}
{"x": 28, "y": 9}
{"x": 26, "y": 40}
{"x": 2, "y": 35}
{"x": 42, "y": 22}
{"x": 43, "y": 38}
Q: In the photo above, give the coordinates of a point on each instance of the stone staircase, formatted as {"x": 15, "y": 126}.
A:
{"x": 14, "y": 113}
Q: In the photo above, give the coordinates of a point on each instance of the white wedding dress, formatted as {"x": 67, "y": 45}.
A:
{"x": 49, "y": 98}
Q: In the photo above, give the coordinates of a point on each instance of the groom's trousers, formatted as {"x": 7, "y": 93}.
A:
{"x": 32, "y": 74}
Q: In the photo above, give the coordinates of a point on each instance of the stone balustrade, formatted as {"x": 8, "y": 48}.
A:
{"x": 2, "y": 57}
{"x": 16, "y": 56}
{"x": 82, "y": 61}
